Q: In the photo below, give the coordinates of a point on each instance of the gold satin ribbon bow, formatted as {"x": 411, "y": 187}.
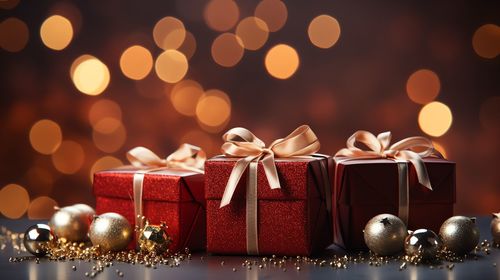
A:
{"x": 241, "y": 143}
{"x": 186, "y": 157}
{"x": 401, "y": 150}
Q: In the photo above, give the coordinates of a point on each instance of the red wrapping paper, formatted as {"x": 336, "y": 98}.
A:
{"x": 173, "y": 196}
{"x": 365, "y": 188}
{"x": 292, "y": 220}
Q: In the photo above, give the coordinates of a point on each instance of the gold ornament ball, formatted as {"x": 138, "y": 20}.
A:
{"x": 154, "y": 238}
{"x": 70, "y": 223}
{"x": 423, "y": 243}
{"x": 385, "y": 234}
{"x": 111, "y": 232}
{"x": 85, "y": 209}
{"x": 495, "y": 228}
{"x": 38, "y": 239}
{"x": 459, "y": 234}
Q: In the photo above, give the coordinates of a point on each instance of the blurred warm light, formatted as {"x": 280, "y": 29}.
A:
{"x": 107, "y": 125}
{"x": 136, "y": 62}
{"x": 171, "y": 66}
{"x": 435, "y": 119}
{"x": 282, "y": 61}
{"x": 423, "y": 86}
{"x": 69, "y": 158}
{"x": 440, "y": 148}
{"x": 14, "y": 34}
{"x": 8, "y": 4}
{"x": 486, "y": 41}
{"x": 45, "y": 136}
{"x": 14, "y": 201}
{"x": 185, "y": 95}
{"x": 104, "y": 163}
{"x": 227, "y": 49}
{"x": 321, "y": 106}
{"x": 324, "y": 31}
{"x": 213, "y": 108}
{"x": 253, "y": 32}
{"x": 68, "y": 10}
{"x": 102, "y": 109}
{"x": 40, "y": 180}
{"x": 221, "y": 15}
{"x": 112, "y": 141}
{"x": 41, "y": 208}
{"x": 169, "y": 33}
{"x": 56, "y": 32}
{"x": 201, "y": 139}
{"x": 90, "y": 75}
{"x": 188, "y": 47}
{"x": 489, "y": 114}
{"x": 273, "y": 12}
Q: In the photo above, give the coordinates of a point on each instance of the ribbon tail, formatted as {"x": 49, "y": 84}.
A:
{"x": 238, "y": 170}
{"x": 418, "y": 163}
{"x": 271, "y": 172}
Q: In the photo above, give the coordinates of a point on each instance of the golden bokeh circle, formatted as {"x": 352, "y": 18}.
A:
{"x": 221, "y": 15}
{"x": 188, "y": 47}
{"x": 104, "y": 108}
{"x": 136, "y": 62}
{"x": 169, "y": 33}
{"x": 69, "y": 158}
{"x": 435, "y": 119}
{"x": 324, "y": 31}
{"x": 41, "y": 207}
{"x": 213, "y": 108}
{"x": 227, "y": 50}
{"x": 273, "y": 12}
{"x": 56, "y": 32}
{"x": 282, "y": 61}
{"x": 185, "y": 95}
{"x": 90, "y": 75}
{"x": 14, "y": 34}
{"x": 104, "y": 163}
{"x": 486, "y": 41}
{"x": 171, "y": 66}
{"x": 423, "y": 86}
{"x": 45, "y": 136}
{"x": 14, "y": 201}
{"x": 253, "y": 33}
{"x": 112, "y": 140}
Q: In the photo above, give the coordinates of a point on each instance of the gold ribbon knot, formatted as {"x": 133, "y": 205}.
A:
{"x": 241, "y": 143}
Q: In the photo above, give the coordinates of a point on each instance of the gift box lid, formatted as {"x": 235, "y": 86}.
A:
{"x": 375, "y": 181}
{"x": 300, "y": 178}
{"x": 175, "y": 185}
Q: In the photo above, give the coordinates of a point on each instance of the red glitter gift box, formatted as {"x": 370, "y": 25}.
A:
{"x": 173, "y": 196}
{"x": 292, "y": 220}
{"x": 368, "y": 187}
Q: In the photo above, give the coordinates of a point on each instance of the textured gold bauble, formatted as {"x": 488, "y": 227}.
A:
{"x": 154, "y": 238}
{"x": 85, "y": 209}
{"x": 70, "y": 223}
{"x": 111, "y": 232}
{"x": 495, "y": 228}
{"x": 423, "y": 243}
{"x": 385, "y": 234}
{"x": 459, "y": 234}
{"x": 38, "y": 239}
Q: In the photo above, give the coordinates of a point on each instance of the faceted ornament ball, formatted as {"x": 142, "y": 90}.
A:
{"x": 385, "y": 234}
{"x": 111, "y": 232}
{"x": 459, "y": 234}
{"x": 38, "y": 239}
{"x": 72, "y": 222}
{"x": 495, "y": 228}
{"x": 154, "y": 238}
{"x": 423, "y": 243}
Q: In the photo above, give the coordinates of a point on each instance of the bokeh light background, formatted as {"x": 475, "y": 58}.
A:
{"x": 83, "y": 81}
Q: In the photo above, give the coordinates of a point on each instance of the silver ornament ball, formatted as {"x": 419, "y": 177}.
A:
{"x": 385, "y": 234}
{"x": 459, "y": 234}
{"x": 495, "y": 228}
{"x": 38, "y": 239}
{"x": 70, "y": 223}
{"x": 111, "y": 232}
{"x": 424, "y": 243}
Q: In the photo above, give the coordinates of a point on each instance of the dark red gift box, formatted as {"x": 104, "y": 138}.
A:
{"x": 173, "y": 196}
{"x": 365, "y": 188}
{"x": 292, "y": 220}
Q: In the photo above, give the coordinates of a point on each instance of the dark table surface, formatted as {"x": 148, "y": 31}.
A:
{"x": 203, "y": 266}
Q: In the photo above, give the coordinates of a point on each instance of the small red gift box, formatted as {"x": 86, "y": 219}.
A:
{"x": 366, "y": 187}
{"x": 293, "y": 220}
{"x": 161, "y": 190}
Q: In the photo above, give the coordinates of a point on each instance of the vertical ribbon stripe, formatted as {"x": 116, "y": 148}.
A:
{"x": 404, "y": 200}
{"x": 251, "y": 211}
